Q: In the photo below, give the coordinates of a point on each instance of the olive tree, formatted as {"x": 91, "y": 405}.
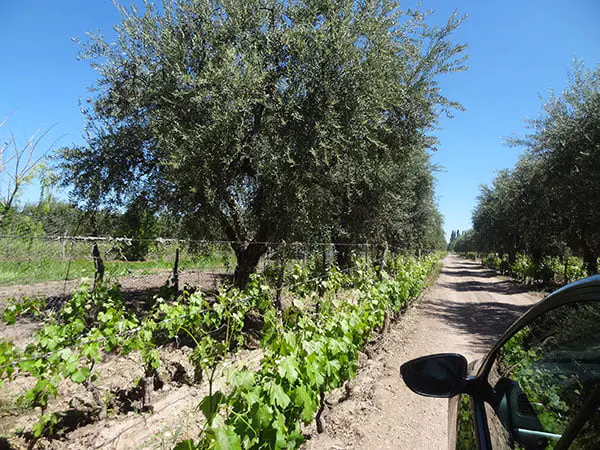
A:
{"x": 549, "y": 204}
{"x": 566, "y": 141}
{"x": 264, "y": 120}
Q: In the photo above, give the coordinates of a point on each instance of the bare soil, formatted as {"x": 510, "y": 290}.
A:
{"x": 175, "y": 416}
{"x": 137, "y": 291}
{"x": 132, "y": 286}
{"x": 465, "y": 312}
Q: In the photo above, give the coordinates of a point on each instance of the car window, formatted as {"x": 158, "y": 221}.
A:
{"x": 546, "y": 381}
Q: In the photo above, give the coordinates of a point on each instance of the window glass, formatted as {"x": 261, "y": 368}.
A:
{"x": 465, "y": 431}
{"x": 545, "y": 378}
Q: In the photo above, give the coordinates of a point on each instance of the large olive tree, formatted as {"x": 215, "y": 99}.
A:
{"x": 264, "y": 120}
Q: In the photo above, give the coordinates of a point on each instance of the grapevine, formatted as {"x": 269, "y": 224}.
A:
{"x": 306, "y": 354}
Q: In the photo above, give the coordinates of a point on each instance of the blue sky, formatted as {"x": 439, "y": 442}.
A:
{"x": 518, "y": 51}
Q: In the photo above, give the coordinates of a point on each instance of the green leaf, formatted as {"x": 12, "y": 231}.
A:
{"x": 252, "y": 396}
{"x": 210, "y": 405}
{"x": 308, "y": 403}
{"x": 263, "y": 415}
{"x": 80, "y": 375}
{"x": 227, "y": 439}
{"x": 288, "y": 369}
{"x": 243, "y": 379}
{"x": 278, "y": 396}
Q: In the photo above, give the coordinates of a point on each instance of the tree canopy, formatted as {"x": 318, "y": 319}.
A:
{"x": 264, "y": 120}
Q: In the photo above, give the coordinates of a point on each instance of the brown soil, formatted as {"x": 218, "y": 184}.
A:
{"x": 175, "y": 416}
{"x": 465, "y": 312}
{"x": 131, "y": 285}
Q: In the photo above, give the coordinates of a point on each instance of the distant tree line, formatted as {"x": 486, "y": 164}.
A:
{"x": 52, "y": 217}
{"x": 458, "y": 240}
{"x": 549, "y": 204}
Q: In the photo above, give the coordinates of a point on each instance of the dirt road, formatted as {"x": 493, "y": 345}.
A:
{"x": 466, "y": 310}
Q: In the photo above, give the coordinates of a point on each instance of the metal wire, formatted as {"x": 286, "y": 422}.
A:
{"x": 166, "y": 241}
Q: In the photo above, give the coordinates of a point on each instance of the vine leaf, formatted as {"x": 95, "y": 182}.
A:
{"x": 288, "y": 369}
{"x": 80, "y": 375}
{"x": 278, "y": 396}
{"x": 210, "y": 405}
{"x": 227, "y": 439}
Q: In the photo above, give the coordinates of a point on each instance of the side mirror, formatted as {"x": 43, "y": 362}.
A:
{"x": 442, "y": 375}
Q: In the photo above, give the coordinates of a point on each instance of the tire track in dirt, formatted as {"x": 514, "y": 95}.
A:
{"x": 465, "y": 311}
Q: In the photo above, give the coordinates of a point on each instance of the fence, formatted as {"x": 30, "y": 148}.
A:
{"x": 52, "y": 265}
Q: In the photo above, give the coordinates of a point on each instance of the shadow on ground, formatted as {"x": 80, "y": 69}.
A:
{"x": 473, "y": 277}
{"x": 485, "y": 321}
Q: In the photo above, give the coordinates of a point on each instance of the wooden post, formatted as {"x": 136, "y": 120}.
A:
{"x": 386, "y": 322}
{"x": 99, "y": 266}
{"x": 321, "y": 289}
{"x": 174, "y": 280}
{"x": 382, "y": 251}
{"x": 281, "y": 276}
{"x": 63, "y": 243}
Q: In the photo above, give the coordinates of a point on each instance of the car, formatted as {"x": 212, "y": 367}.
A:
{"x": 539, "y": 386}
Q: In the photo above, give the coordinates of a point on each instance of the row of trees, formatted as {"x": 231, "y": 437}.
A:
{"x": 549, "y": 204}
{"x": 269, "y": 120}
{"x": 455, "y": 237}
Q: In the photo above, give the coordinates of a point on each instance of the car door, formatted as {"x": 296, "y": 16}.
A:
{"x": 546, "y": 382}
{"x": 539, "y": 387}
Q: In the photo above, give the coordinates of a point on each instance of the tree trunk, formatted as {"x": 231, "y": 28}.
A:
{"x": 100, "y": 403}
{"x": 344, "y": 256}
{"x": 590, "y": 259}
{"x": 147, "y": 385}
{"x": 247, "y": 257}
{"x": 512, "y": 257}
{"x": 319, "y": 416}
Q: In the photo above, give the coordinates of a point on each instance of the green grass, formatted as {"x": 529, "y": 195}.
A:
{"x": 35, "y": 271}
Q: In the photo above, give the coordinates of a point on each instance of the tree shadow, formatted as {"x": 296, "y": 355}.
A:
{"x": 5, "y": 444}
{"x": 504, "y": 287}
{"x": 483, "y": 322}
{"x": 469, "y": 273}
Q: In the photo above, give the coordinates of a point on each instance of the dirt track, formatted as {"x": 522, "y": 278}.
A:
{"x": 466, "y": 310}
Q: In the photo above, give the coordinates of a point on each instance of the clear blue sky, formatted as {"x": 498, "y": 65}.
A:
{"x": 518, "y": 50}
